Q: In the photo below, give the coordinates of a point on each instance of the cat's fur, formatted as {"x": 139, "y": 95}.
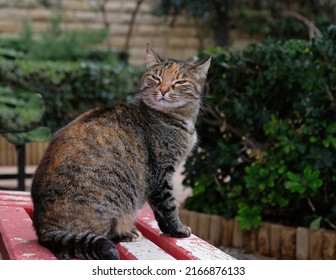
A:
{"x": 102, "y": 167}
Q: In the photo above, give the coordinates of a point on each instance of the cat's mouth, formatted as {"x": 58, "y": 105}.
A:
{"x": 164, "y": 100}
{"x": 166, "y": 103}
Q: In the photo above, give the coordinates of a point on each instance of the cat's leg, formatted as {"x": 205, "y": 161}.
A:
{"x": 165, "y": 210}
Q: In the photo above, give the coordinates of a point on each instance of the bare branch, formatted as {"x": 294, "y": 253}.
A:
{"x": 214, "y": 118}
{"x": 131, "y": 25}
{"x": 313, "y": 30}
{"x": 331, "y": 224}
{"x": 101, "y": 6}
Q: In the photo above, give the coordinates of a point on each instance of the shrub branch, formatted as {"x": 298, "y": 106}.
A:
{"x": 313, "y": 30}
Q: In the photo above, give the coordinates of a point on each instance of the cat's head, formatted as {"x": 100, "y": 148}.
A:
{"x": 171, "y": 84}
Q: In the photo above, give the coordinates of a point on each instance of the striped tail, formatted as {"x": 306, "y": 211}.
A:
{"x": 83, "y": 246}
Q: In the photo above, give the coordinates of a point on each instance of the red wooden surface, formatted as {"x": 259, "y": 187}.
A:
{"x": 19, "y": 199}
{"x": 18, "y": 239}
{"x": 125, "y": 254}
{"x": 191, "y": 248}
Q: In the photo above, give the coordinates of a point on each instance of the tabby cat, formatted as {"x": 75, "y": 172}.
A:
{"x": 103, "y": 166}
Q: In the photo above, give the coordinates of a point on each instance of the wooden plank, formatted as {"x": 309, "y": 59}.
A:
{"x": 316, "y": 244}
{"x": 17, "y": 199}
{"x": 264, "y": 243}
{"x": 203, "y": 226}
{"x": 329, "y": 245}
{"x": 227, "y": 235}
{"x": 238, "y": 236}
{"x": 215, "y": 230}
{"x": 193, "y": 222}
{"x": 191, "y": 248}
{"x": 302, "y": 243}
{"x": 18, "y": 238}
{"x": 8, "y": 153}
{"x": 19, "y": 241}
{"x": 275, "y": 241}
{"x": 142, "y": 250}
{"x": 128, "y": 250}
{"x": 288, "y": 243}
{"x": 251, "y": 241}
{"x": 184, "y": 216}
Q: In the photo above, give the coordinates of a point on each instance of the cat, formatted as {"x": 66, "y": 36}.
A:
{"x": 106, "y": 164}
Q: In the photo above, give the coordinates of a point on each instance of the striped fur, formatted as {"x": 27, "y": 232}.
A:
{"x": 102, "y": 167}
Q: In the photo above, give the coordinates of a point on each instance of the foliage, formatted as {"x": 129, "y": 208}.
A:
{"x": 267, "y": 148}
{"x": 65, "y": 69}
{"x": 279, "y": 19}
{"x": 284, "y": 20}
{"x": 70, "y": 88}
{"x": 57, "y": 44}
{"x": 20, "y": 116}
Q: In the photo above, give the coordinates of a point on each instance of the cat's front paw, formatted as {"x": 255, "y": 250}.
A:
{"x": 133, "y": 236}
{"x": 180, "y": 231}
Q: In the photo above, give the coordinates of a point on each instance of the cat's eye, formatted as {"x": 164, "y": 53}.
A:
{"x": 156, "y": 78}
{"x": 180, "y": 82}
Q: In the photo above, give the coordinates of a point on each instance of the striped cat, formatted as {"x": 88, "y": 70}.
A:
{"x": 103, "y": 166}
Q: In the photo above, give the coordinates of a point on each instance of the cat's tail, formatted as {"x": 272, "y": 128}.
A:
{"x": 86, "y": 245}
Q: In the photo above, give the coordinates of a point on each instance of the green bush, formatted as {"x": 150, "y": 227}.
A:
{"x": 66, "y": 69}
{"x": 70, "y": 88}
{"x": 56, "y": 44}
{"x": 20, "y": 117}
{"x": 267, "y": 148}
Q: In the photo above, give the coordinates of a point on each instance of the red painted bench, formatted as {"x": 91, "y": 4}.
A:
{"x": 18, "y": 240}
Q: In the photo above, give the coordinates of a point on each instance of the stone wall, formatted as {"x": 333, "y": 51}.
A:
{"x": 179, "y": 40}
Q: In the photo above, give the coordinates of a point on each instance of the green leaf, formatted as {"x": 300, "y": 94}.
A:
{"x": 19, "y": 111}
{"x": 332, "y": 128}
{"x": 262, "y": 186}
{"x": 316, "y": 184}
{"x": 295, "y": 187}
{"x": 316, "y": 224}
{"x": 39, "y": 134}
{"x": 293, "y": 177}
{"x": 313, "y": 139}
{"x": 16, "y": 138}
{"x": 248, "y": 217}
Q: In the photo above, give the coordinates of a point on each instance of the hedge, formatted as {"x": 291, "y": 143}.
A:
{"x": 66, "y": 68}
{"x": 70, "y": 88}
{"x": 267, "y": 149}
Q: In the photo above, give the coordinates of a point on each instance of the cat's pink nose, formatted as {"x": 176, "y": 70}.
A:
{"x": 164, "y": 90}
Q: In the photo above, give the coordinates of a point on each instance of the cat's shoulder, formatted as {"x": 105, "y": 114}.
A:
{"x": 106, "y": 112}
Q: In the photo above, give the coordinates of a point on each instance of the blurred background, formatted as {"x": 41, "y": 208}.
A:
{"x": 267, "y": 127}
{"x": 178, "y": 28}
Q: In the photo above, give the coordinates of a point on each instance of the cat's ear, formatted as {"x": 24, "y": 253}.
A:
{"x": 201, "y": 68}
{"x": 152, "y": 57}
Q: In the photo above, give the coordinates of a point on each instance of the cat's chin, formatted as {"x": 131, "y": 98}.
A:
{"x": 165, "y": 104}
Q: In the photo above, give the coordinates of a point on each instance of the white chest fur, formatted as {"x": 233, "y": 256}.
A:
{"x": 191, "y": 127}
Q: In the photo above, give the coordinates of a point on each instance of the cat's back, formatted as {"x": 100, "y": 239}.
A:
{"x": 92, "y": 144}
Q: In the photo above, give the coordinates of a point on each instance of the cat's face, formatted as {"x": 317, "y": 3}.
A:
{"x": 171, "y": 84}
